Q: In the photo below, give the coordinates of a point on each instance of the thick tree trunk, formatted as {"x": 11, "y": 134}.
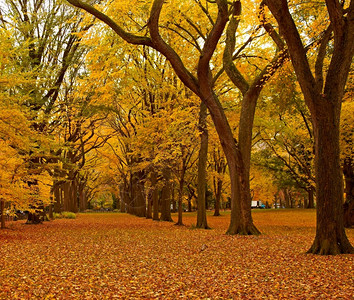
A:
{"x": 73, "y": 196}
{"x": 122, "y": 197}
{"x": 69, "y": 196}
{"x": 140, "y": 202}
{"x": 202, "y": 163}
{"x": 57, "y": 198}
{"x": 122, "y": 206}
{"x": 65, "y": 196}
{"x": 240, "y": 222}
{"x": 82, "y": 196}
{"x": 166, "y": 196}
{"x": 323, "y": 96}
{"x": 243, "y": 160}
{"x": 348, "y": 171}
{"x": 330, "y": 234}
{"x": 2, "y": 215}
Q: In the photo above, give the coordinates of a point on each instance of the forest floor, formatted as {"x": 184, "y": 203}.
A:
{"x": 118, "y": 256}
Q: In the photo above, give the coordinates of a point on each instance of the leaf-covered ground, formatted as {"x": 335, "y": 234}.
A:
{"x": 117, "y": 256}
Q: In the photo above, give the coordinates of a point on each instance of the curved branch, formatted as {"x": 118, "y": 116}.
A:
{"x": 320, "y": 57}
{"x": 160, "y": 45}
{"x": 230, "y": 68}
{"x": 128, "y": 37}
{"x": 210, "y": 45}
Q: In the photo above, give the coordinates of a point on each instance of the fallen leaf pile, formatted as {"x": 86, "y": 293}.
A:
{"x": 118, "y": 256}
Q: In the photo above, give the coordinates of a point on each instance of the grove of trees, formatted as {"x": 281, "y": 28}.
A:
{"x": 156, "y": 106}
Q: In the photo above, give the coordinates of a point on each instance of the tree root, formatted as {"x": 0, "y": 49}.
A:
{"x": 328, "y": 247}
{"x": 243, "y": 230}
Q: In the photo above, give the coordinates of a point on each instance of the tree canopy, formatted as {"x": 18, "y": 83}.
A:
{"x": 153, "y": 106}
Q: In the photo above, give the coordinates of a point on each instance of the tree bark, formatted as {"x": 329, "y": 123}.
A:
{"x": 51, "y": 215}
{"x": 155, "y": 196}
{"x": 218, "y": 197}
{"x": 180, "y": 193}
{"x": 348, "y": 171}
{"x": 323, "y": 98}
{"x": 122, "y": 194}
{"x": 287, "y": 198}
{"x": 202, "y": 163}
{"x": 166, "y": 196}
{"x": 139, "y": 196}
{"x": 57, "y": 197}
{"x": 311, "y": 201}
{"x": 149, "y": 205}
{"x": 180, "y": 198}
{"x": 330, "y": 234}
{"x": 2, "y": 216}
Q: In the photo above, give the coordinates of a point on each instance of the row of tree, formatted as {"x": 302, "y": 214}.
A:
{"x": 144, "y": 121}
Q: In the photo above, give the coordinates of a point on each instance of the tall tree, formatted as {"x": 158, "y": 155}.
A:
{"x": 250, "y": 90}
{"x": 323, "y": 96}
{"x": 201, "y": 85}
{"x": 19, "y": 143}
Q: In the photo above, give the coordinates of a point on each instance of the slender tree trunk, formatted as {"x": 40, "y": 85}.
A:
{"x": 180, "y": 197}
{"x": 57, "y": 197}
{"x": 189, "y": 205}
{"x": 202, "y": 163}
{"x": 140, "y": 208}
{"x": 51, "y": 215}
{"x": 2, "y": 216}
{"x": 73, "y": 196}
{"x": 287, "y": 198}
{"x": 173, "y": 200}
{"x": 311, "y": 201}
{"x": 306, "y": 200}
{"x": 155, "y": 196}
{"x": 149, "y": 205}
{"x": 330, "y": 234}
{"x": 122, "y": 194}
{"x": 166, "y": 196}
{"x": 218, "y": 197}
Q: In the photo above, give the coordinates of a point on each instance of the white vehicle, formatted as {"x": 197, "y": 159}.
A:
{"x": 257, "y": 204}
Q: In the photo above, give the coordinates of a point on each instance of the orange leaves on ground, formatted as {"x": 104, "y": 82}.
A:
{"x": 116, "y": 256}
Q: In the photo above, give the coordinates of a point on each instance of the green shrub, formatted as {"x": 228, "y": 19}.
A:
{"x": 57, "y": 216}
{"x": 68, "y": 215}
{"x": 65, "y": 215}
